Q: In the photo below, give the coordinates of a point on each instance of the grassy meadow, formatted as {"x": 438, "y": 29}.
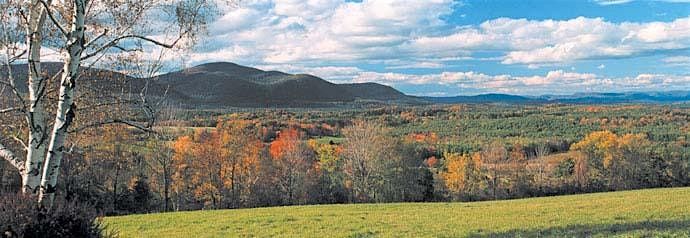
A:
{"x": 639, "y": 213}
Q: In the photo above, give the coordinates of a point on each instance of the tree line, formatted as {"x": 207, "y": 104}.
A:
{"x": 239, "y": 164}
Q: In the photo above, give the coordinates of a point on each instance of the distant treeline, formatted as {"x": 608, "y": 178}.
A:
{"x": 391, "y": 154}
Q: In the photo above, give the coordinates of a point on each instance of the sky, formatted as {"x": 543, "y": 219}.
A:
{"x": 469, "y": 47}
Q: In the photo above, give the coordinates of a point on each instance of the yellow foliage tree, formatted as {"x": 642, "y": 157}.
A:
{"x": 599, "y": 146}
{"x": 462, "y": 173}
{"x": 621, "y": 158}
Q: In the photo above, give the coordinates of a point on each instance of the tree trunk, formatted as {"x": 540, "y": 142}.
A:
{"x": 166, "y": 184}
{"x": 116, "y": 180}
{"x": 36, "y": 117}
{"x": 66, "y": 107}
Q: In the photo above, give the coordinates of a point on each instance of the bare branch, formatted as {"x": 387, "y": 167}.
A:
{"x": 12, "y": 86}
{"x": 123, "y": 49}
{"x": 11, "y": 109}
{"x": 105, "y": 32}
{"x": 117, "y": 40}
{"x": 16, "y": 57}
{"x": 114, "y": 121}
{"x": 11, "y": 158}
{"x": 52, "y": 18}
{"x": 20, "y": 141}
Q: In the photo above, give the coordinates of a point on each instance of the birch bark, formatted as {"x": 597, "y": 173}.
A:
{"x": 36, "y": 117}
{"x": 66, "y": 107}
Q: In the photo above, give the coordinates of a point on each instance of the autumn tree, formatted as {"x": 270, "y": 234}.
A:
{"x": 365, "y": 154}
{"x": 519, "y": 177}
{"x": 294, "y": 165}
{"x": 242, "y": 145}
{"x": 331, "y": 185}
{"x": 161, "y": 163}
{"x": 462, "y": 175}
{"x": 493, "y": 156}
{"x": 407, "y": 175}
{"x": 540, "y": 152}
{"x": 183, "y": 161}
{"x": 621, "y": 159}
{"x": 113, "y": 154}
{"x": 380, "y": 168}
{"x": 581, "y": 171}
{"x": 217, "y": 167}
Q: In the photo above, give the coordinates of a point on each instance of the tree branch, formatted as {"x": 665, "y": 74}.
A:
{"x": 115, "y": 41}
{"x": 14, "y": 89}
{"x": 20, "y": 141}
{"x": 114, "y": 121}
{"x": 52, "y": 18}
{"x": 11, "y": 158}
{"x": 16, "y": 57}
{"x": 105, "y": 31}
{"x": 11, "y": 109}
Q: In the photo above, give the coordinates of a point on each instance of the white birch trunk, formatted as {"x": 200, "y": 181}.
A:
{"x": 66, "y": 108}
{"x": 36, "y": 118}
{"x": 11, "y": 158}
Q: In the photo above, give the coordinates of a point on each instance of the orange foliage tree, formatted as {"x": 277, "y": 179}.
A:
{"x": 294, "y": 165}
{"x": 217, "y": 167}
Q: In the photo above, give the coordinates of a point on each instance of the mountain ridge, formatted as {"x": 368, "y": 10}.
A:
{"x": 225, "y": 84}
{"x": 677, "y": 96}
{"x": 228, "y": 84}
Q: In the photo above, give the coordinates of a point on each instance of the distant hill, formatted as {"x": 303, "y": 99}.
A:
{"x": 228, "y": 84}
{"x": 627, "y": 97}
{"x": 485, "y": 98}
{"x": 218, "y": 85}
{"x": 578, "y": 98}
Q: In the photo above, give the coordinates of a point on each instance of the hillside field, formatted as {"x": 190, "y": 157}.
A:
{"x": 640, "y": 213}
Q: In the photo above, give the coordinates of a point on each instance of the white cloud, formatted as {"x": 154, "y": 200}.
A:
{"x": 328, "y": 37}
{"x": 553, "y": 82}
{"x": 677, "y": 60}
{"x": 548, "y": 41}
{"x": 305, "y": 9}
{"x": 417, "y": 65}
{"x": 612, "y": 2}
{"x": 292, "y": 31}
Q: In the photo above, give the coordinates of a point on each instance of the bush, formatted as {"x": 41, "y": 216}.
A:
{"x": 21, "y": 216}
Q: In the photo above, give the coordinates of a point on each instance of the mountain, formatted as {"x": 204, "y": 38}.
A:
{"x": 219, "y": 85}
{"x": 626, "y": 97}
{"x": 577, "y": 98}
{"x": 485, "y": 98}
{"x": 229, "y": 84}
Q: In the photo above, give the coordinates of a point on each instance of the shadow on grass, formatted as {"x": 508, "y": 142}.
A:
{"x": 673, "y": 228}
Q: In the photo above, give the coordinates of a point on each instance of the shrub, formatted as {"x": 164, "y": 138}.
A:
{"x": 22, "y": 216}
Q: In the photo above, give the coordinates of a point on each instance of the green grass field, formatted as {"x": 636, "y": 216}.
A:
{"x": 642, "y": 213}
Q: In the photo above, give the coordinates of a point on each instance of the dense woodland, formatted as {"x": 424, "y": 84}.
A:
{"x": 268, "y": 157}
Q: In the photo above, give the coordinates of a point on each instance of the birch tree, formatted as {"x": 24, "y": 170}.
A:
{"x": 84, "y": 33}
{"x": 367, "y": 154}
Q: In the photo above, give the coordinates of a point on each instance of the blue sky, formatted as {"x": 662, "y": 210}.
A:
{"x": 446, "y": 47}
